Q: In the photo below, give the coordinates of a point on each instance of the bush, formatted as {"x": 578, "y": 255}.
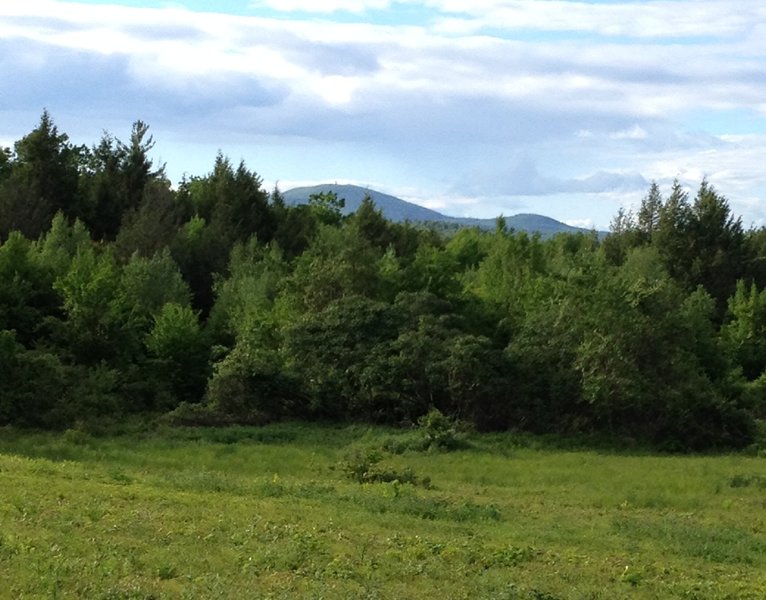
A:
{"x": 205, "y": 415}
{"x": 439, "y": 432}
{"x": 435, "y": 433}
{"x": 362, "y": 466}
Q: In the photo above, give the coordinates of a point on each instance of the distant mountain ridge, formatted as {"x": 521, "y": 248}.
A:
{"x": 398, "y": 210}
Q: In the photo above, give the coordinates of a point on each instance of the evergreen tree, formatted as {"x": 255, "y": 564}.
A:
{"x": 42, "y": 179}
{"x": 718, "y": 246}
{"x": 672, "y": 236}
{"x": 649, "y": 213}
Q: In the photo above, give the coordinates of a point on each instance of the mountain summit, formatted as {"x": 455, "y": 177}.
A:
{"x": 398, "y": 210}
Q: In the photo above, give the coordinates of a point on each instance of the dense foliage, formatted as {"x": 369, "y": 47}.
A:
{"x": 216, "y": 300}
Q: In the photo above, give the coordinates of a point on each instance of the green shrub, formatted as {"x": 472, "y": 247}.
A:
{"x": 741, "y": 481}
{"x": 206, "y": 415}
{"x": 439, "y": 432}
{"x": 362, "y": 466}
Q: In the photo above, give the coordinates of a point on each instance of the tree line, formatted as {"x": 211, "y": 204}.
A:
{"x": 218, "y": 303}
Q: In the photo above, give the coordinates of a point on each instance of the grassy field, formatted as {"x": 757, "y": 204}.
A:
{"x": 272, "y": 513}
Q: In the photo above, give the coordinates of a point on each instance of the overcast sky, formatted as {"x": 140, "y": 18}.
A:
{"x": 472, "y": 107}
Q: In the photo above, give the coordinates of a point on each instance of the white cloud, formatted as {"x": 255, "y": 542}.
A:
{"x": 656, "y": 18}
{"x": 522, "y": 177}
{"x": 599, "y": 103}
{"x": 322, "y": 6}
{"x": 670, "y": 18}
{"x": 337, "y": 89}
{"x": 733, "y": 167}
{"x": 582, "y": 223}
{"x": 641, "y": 81}
{"x": 634, "y": 133}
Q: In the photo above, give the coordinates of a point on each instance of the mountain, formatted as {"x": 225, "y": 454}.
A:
{"x": 396, "y": 209}
{"x": 393, "y": 208}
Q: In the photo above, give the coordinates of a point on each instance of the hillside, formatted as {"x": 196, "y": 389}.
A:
{"x": 399, "y": 210}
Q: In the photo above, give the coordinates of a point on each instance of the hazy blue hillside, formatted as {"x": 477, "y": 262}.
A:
{"x": 399, "y": 210}
{"x": 392, "y": 207}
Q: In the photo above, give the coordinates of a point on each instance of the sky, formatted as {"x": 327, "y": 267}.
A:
{"x": 477, "y": 108}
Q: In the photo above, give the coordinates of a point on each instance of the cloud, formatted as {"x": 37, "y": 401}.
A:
{"x": 735, "y": 165}
{"x": 322, "y": 6}
{"x": 334, "y": 58}
{"x": 658, "y": 18}
{"x": 390, "y": 67}
{"x": 673, "y": 19}
{"x": 582, "y": 223}
{"x": 634, "y": 133}
{"x": 523, "y": 178}
{"x": 597, "y": 94}
{"x": 74, "y": 80}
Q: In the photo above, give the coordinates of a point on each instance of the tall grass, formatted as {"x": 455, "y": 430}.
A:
{"x": 270, "y": 513}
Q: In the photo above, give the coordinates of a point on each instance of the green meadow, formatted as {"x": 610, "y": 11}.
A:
{"x": 320, "y": 511}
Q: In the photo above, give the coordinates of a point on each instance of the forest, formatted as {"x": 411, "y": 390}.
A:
{"x": 215, "y": 302}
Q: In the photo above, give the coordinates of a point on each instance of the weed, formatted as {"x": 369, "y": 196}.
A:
{"x": 510, "y": 556}
{"x": 439, "y": 432}
{"x": 435, "y": 433}
{"x": 742, "y": 481}
{"x": 362, "y": 466}
{"x": 119, "y": 477}
{"x": 77, "y": 437}
{"x": 166, "y": 572}
{"x": 720, "y": 544}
